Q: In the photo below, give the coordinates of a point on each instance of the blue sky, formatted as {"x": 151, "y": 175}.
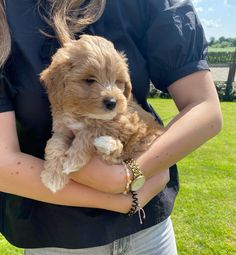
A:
{"x": 218, "y": 17}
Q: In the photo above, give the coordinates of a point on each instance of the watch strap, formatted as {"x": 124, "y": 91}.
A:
{"x": 133, "y": 167}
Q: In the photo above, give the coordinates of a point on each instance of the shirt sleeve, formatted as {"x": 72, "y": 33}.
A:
{"x": 175, "y": 44}
{"x": 5, "y": 94}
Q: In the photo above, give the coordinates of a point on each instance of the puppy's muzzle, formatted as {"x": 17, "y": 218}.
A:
{"x": 109, "y": 103}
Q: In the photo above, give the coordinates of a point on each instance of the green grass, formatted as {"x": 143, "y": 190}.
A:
{"x": 204, "y": 216}
{"x": 227, "y": 49}
{"x": 7, "y": 249}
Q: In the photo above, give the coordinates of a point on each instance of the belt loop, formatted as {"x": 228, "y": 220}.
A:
{"x": 121, "y": 246}
{"x": 115, "y": 247}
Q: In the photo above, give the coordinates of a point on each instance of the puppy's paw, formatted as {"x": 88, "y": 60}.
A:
{"x": 54, "y": 181}
{"x": 107, "y": 145}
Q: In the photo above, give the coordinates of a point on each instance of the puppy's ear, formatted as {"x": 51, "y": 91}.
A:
{"x": 128, "y": 88}
{"x": 54, "y": 78}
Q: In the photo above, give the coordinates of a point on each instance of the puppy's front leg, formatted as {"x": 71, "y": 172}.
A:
{"x": 108, "y": 148}
{"x": 79, "y": 153}
{"x": 52, "y": 175}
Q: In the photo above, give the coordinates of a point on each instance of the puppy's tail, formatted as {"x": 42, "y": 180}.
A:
{"x": 70, "y": 17}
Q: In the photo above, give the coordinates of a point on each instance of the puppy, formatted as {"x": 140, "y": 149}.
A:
{"x": 93, "y": 111}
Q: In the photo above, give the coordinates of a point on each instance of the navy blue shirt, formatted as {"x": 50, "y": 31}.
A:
{"x": 163, "y": 40}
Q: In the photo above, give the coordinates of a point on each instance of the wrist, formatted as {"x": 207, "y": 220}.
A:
{"x": 120, "y": 203}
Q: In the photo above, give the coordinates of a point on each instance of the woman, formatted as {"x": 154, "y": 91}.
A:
{"x": 164, "y": 43}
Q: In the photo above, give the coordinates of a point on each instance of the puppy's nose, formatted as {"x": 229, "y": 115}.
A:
{"x": 110, "y": 103}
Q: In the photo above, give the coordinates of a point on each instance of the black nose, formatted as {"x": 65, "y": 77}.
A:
{"x": 110, "y": 103}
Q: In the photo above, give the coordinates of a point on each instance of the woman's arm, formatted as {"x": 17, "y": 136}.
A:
{"x": 20, "y": 175}
{"x": 199, "y": 120}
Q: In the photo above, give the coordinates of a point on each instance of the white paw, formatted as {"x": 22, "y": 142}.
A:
{"x": 53, "y": 180}
{"x": 105, "y": 144}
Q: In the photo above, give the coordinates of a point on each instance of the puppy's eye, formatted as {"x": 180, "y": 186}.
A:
{"x": 89, "y": 81}
{"x": 119, "y": 82}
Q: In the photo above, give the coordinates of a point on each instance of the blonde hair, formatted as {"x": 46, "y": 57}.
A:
{"x": 67, "y": 17}
{"x": 5, "y": 39}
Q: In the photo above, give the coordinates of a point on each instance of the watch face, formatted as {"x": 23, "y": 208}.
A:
{"x": 137, "y": 183}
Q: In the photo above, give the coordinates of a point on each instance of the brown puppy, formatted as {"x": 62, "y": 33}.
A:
{"x": 93, "y": 111}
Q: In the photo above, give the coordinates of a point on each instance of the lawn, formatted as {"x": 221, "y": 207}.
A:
{"x": 204, "y": 216}
{"x": 227, "y": 49}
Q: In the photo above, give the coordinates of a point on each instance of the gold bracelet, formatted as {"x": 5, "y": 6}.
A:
{"x": 133, "y": 166}
{"x": 138, "y": 179}
{"x": 128, "y": 179}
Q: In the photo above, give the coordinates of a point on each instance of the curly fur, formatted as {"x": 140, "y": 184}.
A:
{"x": 82, "y": 76}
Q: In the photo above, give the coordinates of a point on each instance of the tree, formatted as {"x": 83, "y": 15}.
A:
{"x": 225, "y": 44}
{"x": 234, "y": 42}
{"x": 212, "y": 41}
{"x": 221, "y": 39}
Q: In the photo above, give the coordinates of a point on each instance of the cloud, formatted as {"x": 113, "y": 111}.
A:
{"x": 210, "y": 9}
{"x": 211, "y": 23}
{"x": 230, "y": 2}
{"x": 199, "y": 9}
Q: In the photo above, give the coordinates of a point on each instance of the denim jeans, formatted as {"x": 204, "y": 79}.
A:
{"x": 156, "y": 240}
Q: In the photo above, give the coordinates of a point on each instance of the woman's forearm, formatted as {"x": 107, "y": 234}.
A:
{"x": 190, "y": 129}
{"x": 20, "y": 175}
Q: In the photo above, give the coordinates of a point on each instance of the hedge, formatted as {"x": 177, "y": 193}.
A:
{"x": 220, "y": 57}
{"x": 225, "y": 93}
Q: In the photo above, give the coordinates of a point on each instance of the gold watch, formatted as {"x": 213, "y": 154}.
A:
{"x": 138, "y": 177}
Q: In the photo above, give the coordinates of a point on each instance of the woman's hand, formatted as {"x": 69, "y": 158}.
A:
{"x": 101, "y": 176}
